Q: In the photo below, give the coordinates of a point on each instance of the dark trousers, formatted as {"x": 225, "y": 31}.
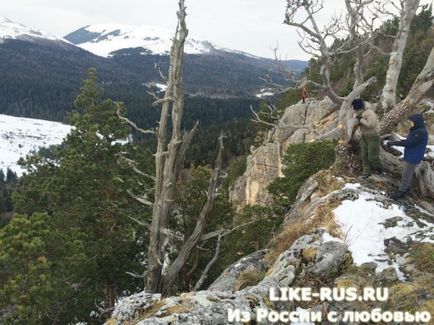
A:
{"x": 370, "y": 152}
{"x": 407, "y": 176}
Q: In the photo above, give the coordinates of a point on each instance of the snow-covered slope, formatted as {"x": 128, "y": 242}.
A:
{"x": 13, "y": 30}
{"x": 19, "y": 136}
{"x": 371, "y": 221}
{"x": 103, "y": 39}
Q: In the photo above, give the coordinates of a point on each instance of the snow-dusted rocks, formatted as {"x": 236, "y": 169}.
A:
{"x": 373, "y": 223}
{"x": 20, "y": 136}
{"x": 373, "y": 249}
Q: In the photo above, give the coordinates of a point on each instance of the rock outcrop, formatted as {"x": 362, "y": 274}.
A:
{"x": 228, "y": 281}
{"x": 353, "y": 235}
{"x": 211, "y": 307}
{"x": 300, "y": 123}
{"x": 374, "y": 249}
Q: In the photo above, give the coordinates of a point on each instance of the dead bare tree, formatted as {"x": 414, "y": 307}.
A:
{"x": 314, "y": 40}
{"x": 342, "y": 35}
{"x": 360, "y": 35}
{"x": 407, "y": 11}
{"x": 172, "y": 146}
{"x": 422, "y": 84}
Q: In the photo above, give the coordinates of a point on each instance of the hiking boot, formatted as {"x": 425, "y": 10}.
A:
{"x": 398, "y": 195}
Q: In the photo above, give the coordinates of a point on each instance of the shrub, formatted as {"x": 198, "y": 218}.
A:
{"x": 300, "y": 162}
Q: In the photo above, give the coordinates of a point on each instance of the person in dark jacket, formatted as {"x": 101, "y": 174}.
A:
{"x": 415, "y": 146}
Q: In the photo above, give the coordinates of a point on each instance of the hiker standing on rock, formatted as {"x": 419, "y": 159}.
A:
{"x": 304, "y": 94}
{"x": 414, "y": 150}
{"x": 369, "y": 124}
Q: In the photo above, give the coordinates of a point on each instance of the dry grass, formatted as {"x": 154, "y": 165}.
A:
{"x": 323, "y": 217}
{"x": 328, "y": 182}
{"x": 309, "y": 254}
{"x": 248, "y": 278}
{"x": 423, "y": 254}
{"x": 403, "y": 297}
{"x": 286, "y": 238}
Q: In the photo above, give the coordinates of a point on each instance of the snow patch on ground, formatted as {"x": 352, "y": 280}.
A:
{"x": 264, "y": 93}
{"x": 326, "y": 237}
{"x": 362, "y": 225}
{"x": 20, "y": 136}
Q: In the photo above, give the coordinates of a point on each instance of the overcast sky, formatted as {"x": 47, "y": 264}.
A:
{"x": 253, "y": 26}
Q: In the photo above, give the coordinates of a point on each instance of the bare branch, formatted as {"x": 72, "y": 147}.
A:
{"x": 204, "y": 275}
{"x": 141, "y": 223}
{"x": 139, "y": 199}
{"x": 258, "y": 118}
{"x": 193, "y": 239}
{"x": 161, "y": 74}
{"x": 137, "y": 276}
{"x": 225, "y": 232}
{"x": 133, "y": 164}
{"x": 129, "y": 122}
{"x": 154, "y": 95}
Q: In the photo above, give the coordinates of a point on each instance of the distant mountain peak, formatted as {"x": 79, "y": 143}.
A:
{"x": 105, "y": 39}
{"x": 13, "y": 30}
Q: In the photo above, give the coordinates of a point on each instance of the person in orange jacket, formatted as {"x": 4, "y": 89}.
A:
{"x": 304, "y": 93}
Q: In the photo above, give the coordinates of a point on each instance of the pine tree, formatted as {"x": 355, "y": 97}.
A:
{"x": 85, "y": 191}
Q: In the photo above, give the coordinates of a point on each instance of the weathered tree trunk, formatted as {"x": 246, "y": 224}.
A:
{"x": 318, "y": 42}
{"x": 355, "y": 15}
{"x": 110, "y": 296}
{"x": 346, "y": 114}
{"x": 388, "y": 98}
{"x": 422, "y": 84}
{"x": 425, "y": 179}
{"x": 188, "y": 247}
{"x": 167, "y": 158}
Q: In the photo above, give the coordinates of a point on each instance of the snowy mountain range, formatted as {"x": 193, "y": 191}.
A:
{"x": 13, "y": 30}
{"x": 20, "y": 136}
{"x": 105, "y": 39}
{"x": 209, "y": 69}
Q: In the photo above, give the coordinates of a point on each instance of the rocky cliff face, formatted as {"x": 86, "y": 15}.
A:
{"x": 341, "y": 232}
{"x": 300, "y": 123}
{"x": 354, "y": 236}
{"x": 304, "y": 123}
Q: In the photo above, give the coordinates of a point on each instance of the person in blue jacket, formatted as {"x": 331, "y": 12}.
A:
{"x": 414, "y": 151}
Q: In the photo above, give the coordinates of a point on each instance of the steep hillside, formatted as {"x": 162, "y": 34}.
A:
{"x": 209, "y": 69}
{"x": 41, "y": 75}
{"x": 352, "y": 236}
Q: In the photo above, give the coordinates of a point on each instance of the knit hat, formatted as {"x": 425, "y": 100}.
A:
{"x": 358, "y": 104}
